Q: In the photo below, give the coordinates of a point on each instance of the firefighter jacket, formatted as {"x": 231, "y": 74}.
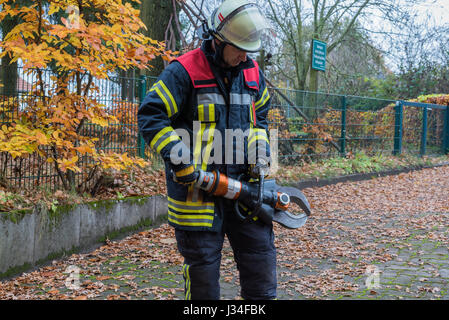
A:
{"x": 192, "y": 115}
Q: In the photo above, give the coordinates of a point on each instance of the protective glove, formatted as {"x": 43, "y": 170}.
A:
{"x": 261, "y": 166}
{"x": 186, "y": 175}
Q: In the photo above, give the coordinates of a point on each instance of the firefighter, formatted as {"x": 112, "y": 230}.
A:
{"x": 197, "y": 100}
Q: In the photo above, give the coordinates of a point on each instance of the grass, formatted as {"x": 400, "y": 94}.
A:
{"x": 357, "y": 163}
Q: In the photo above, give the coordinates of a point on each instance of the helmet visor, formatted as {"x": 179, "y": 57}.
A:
{"x": 245, "y": 28}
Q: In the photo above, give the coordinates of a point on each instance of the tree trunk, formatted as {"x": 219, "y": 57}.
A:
{"x": 8, "y": 75}
{"x": 128, "y": 84}
{"x": 156, "y": 15}
{"x": 8, "y": 70}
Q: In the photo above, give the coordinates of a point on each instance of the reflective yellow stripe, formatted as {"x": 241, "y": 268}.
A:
{"x": 189, "y": 213}
{"x": 201, "y": 112}
{"x": 263, "y": 99}
{"x": 206, "y": 112}
{"x": 257, "y": 134}
{"x": 191, "y": 224}
{"x": 191, "y": 207}
{"x": 185, "y": 171}
{"x": 198, "y": 143}
{"x": 174, "y": 218}
{"x": 166, "y": 97}
{"x": 258, "y": 137}
{"x": 208, "y": 147}
{"x": 165, "y": 142}
{"x": 185, "y": 271}
{"x": 256, "y": 131}
{"x": 167, "y": 105}
{"x": 194, "y": 216}
{"x": 189, "y": 203}
{"x": 159, "y": 135}
{"x": 211, "y": 112}
{"x": 170, "y": 96}
{"x": 210, "y": 126}
{"x": 258, "y": 102}
{"x": 164, "y": 137}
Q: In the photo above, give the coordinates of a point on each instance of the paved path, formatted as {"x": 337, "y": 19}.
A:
{"x": 386, "y": 238}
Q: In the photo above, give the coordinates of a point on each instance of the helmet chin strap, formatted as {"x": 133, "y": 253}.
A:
{"x": 218, "y": 55}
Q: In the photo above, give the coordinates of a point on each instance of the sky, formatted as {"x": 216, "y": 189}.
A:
{"x": 439, "y": 10}
{"x": 436, "y": 10}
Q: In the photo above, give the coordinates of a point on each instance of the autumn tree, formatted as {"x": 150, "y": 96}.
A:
{"x": 80, "y": 49}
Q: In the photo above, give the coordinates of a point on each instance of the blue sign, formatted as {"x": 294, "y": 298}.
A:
{"x": 318, "y": 55}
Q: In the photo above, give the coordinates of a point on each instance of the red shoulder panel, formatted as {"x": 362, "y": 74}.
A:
{"x": 252, "y": 76}
{"x": 197, "y": 66}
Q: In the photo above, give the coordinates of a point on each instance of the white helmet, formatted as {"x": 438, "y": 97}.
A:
{"x": 239, "y": 23}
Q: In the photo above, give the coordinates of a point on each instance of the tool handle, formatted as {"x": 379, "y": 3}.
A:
{"x": 247, "y": 196}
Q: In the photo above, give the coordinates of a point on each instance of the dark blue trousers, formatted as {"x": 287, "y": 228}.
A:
{"x": 254, "y": 252}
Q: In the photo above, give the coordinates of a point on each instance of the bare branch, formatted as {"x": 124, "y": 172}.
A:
{"x": 183, "y": 39}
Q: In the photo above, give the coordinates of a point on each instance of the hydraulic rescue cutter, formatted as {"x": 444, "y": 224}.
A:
{"x": 263, "y": 198}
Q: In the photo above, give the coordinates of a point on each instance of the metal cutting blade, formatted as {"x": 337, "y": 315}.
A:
{"x": 296, "y": 196}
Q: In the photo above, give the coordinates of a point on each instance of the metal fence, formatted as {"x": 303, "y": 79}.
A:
{"x": 310, "y": 126}
{"x": 119, "y": 95}
{"x": 313, "y": 125}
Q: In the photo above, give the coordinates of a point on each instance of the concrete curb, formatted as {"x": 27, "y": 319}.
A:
{"x": 313, "y": 183}
{"x": 31, "y": 238}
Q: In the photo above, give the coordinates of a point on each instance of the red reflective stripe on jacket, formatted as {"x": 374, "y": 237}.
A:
{"x": 197, "y": 66}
